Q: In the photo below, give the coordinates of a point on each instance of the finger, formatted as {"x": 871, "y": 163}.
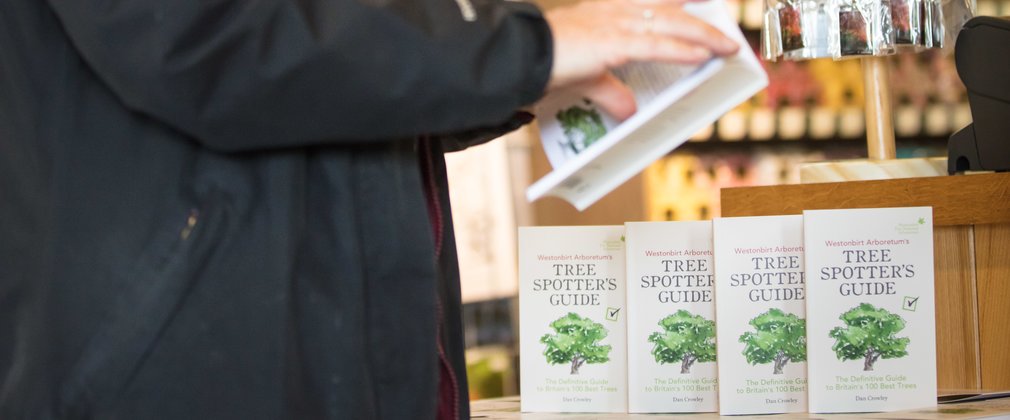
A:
{"x": 661, "y": 48}
{"x": 611, "y": 95}
{"x": 684, "y": 26}
{"x": 661, "y": 2}
{"x": 677, "y": 23}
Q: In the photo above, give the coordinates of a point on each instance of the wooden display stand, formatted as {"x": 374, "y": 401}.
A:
{"x": 971, "y": 217}
{"x": 879, "y": 123}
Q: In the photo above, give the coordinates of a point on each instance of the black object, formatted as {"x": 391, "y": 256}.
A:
{"x": 982, "y": 55}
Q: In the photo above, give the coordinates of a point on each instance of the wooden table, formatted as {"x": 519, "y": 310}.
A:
{"x": 508, "y": 409}
{"x": 971, "y": 217}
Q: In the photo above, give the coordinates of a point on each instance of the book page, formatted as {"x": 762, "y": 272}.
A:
{"x": 591, "y": 153}
{"x": 570, "y": 124}
{"x": 647, "y": 80}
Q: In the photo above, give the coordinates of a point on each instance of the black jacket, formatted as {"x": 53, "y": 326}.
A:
{"x": 215, "y": 209}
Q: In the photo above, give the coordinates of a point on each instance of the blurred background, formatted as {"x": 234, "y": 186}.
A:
{"x": 811, "y": 111}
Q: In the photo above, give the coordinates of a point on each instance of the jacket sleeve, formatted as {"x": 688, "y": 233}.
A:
{"x": 243, "y": 75}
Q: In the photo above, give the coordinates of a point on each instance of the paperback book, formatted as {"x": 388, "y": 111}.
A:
{"x": 572, "y": 319}
{"x": 671, "y": 318}
{"x": 761, "y": 314}
{"x": 872, "y": 329}
{"x": 591, "y": 153}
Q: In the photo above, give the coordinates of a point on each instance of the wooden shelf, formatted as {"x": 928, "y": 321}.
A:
{"x": 956, "y": 200}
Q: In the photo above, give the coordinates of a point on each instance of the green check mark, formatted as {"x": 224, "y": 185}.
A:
{"x": 910, "y": 303}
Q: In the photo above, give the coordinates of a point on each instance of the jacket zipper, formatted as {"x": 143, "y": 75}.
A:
{"x": 435, "y": 212}
{"x": 444, "y": 360}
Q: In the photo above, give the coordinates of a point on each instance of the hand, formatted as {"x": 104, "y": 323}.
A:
{"x": 594, "y": 36}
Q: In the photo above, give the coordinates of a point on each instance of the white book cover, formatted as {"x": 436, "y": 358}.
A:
{"x": 760, "y": 314}
{"x": 591, "y": 153}
{"x": 671, "y": 318}
{"x": 872, "y": 328}
{"x": 572, "y": 319}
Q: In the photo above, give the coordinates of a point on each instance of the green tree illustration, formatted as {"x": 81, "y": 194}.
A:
{"x": 869, "y": 334}
{"x": 576, "y": 342}
{"x": 582, "y": 126}
{"x": 778, "y": 338}
{"x": 686, "y": 338}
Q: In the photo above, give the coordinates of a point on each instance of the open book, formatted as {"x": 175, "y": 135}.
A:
{"x": 592, "y": 154}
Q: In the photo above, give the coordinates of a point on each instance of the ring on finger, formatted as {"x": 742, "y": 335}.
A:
{"x": 649, "y": 16}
